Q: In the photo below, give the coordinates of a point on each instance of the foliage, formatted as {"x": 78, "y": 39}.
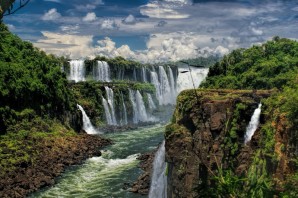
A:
{"x": 30, "y": 79}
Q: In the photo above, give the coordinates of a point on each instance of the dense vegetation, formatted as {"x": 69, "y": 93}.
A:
{"x": 31, "y": 82}
{"x": 273, "y": 65}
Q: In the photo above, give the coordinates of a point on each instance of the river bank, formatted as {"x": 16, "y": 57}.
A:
{"x": 49, "y": 158}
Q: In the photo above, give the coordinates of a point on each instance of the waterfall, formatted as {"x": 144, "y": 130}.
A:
{"x": 151, "y": 102}
{"x": 144, "y": 74}
{"x": 253, "y": 124}
{"x": 134, "y": 74}
{"x": 124, "y": 112}
{"x": 77, "y": 70}
{"x": 155, "y": 82}
{"x": 141, "y": 107}
{"x": 165, "y": 89}
{"x": 107, "y": 111}
{"x": 87, "y": 125}
{"x": 172, "y": 82}
{"x": 158, "y": 187}
{"x": 134, "y": 106}
{"x": 110, "y": 100}
{"x": 184, "y": 79}
{"x": 101, "y": 71}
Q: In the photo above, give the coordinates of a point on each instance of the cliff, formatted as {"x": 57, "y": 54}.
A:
{"x": 205, "y": 148}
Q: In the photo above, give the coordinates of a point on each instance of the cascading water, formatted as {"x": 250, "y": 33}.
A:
{"x": 151, "y": 102}
{"x": 165, "y": 89}
{"x": 154, "y": 80}
{"x": 158, "y": 187}
{"x": 87, "y": 125}
{"x": 144, "y": 74}
{"x": 107, "y": 112}
{"x": 253, "y": 124}
{"x": 102, "y": 71}
{"x": 134, "y": 106}
{"x": 124, "y": 112}
{"x": 141, "y": 107}
{"x": 184, "y": 77}
{"x": 110, "y": 100}
{"x": 172, "y": 82}
{"x": 77, "y": 70}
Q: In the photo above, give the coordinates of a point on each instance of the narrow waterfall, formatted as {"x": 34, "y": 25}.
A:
{"x": 144, "y": 74}
{"x": 151, "y": 102}
{"x": 165, "y": 89}
{"x": 107, "y": 111}
{"x": 77, "y": 70}
{"x": 101, "y": 71}
{"x": 158, "y": 187}
{"x": 134, "y": 74}
{"x": 110, "y": 99}
{"x": 172, "y": 82}
{"x": 124, "y": 112}
{"x": 141, "y": 107}
{"x": 253, "y": 124}
{"x": 154, "y": 80}
{"x": 87, "y": 125}
{"x": 134, "y": 106}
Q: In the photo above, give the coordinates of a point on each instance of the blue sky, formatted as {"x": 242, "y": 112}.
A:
{"x": 152, "y": 31}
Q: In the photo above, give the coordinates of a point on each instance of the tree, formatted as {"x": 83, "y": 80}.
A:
{"x": 7, "y": 6}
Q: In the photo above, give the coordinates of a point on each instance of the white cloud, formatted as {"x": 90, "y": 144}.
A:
{"x": 89, "y": 6}
{"x": 11, "y": 27}
{"x": 51, "y": 15}
{"x": 91, "y": 16}
{"x": 109, "y": 24}
{"x": 130, "y": 19}
{"x": 71, "y": 29}
{"x": 66, "y": 44}
{"x": 155, "y": 10}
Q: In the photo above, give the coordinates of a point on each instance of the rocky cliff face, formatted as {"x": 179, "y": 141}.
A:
{"x": 207, "y": 135}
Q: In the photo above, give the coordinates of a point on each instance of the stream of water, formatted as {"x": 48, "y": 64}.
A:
{"x": 105, "y": 176}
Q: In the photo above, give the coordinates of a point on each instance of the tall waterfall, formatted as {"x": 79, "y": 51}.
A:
{"x": 110, "y": 100}
{"x": 107, "y": 111}
{"x": 144, "y": 74}
{"x": 151, "y": 102}
{"x": 124, "y": 112}
{"x": 87, "y": 125}
{"x": 155, "y": 82}
{"x": 77, "y": 70}
{"x": 158, "y": 187}
{"x": 172, "y": 82}
{"x": 101, "y": 71}
{"x": 139, "y": 110}
{"x": 165, "y": 89}
{"x": 253, "y": 124}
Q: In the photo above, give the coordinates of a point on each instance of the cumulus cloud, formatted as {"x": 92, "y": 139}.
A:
{"x": 73, "y": 46}
{"x": 91, "y": 16}
{"x": 51, "y": 15}
{"x": 109, "y": 24}
{"x": 130, "y": 19}
{"x": 89, "y": 6}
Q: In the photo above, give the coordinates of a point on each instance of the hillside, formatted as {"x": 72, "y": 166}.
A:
{"x": 205, "y": 147}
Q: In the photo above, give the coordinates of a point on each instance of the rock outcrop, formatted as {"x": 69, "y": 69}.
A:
{"x": 207, "y": 134}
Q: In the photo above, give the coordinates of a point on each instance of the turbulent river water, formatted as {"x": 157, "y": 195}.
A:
{"x": 104, "y": 176}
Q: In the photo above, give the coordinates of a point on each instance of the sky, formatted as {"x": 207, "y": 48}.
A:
{"x": 152, "y": 31}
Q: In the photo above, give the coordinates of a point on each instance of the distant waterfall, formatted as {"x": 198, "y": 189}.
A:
{"x": 141, "y": 107}
{"x": 87, "y": 125}
{"x": 151, "y": 102}
{"x": 139, "y": 110}
{"x": 253, "y": 124}
{"x": 144, "y": 74}
{"x": 124, "y": 112}
{"x": 77, "y": 70}
{"x": 184, "y": 77}
{"x": 158, "y": 187}
{"x": 107, "y": 112}
{"x": 172, "y": 82}
{"x": 165, "y": 89}
{"x": 110, "y": 100}
{"x": 155, "y": 82}
{"x": 101, "y": 71}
